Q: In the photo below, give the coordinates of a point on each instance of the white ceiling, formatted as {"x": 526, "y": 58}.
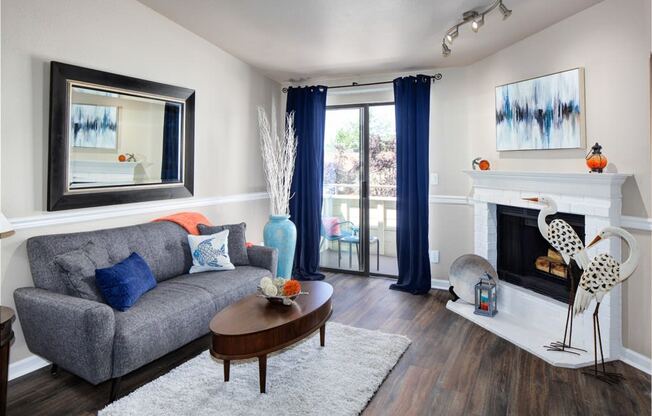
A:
{"x": 302, "y": 39}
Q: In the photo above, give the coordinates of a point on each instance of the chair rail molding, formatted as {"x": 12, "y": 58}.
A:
{"x": 449, "y": 199}
{"x": 627, "y": 221}
{"x": 92, "y": 214}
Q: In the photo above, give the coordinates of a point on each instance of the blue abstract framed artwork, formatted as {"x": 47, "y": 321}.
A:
{"x": 94, "y": 126}
{"x": 541, "y": 113}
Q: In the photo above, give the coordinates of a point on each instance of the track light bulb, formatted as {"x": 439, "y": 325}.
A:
{"x": 445, "y": 50}
{"x": 477, "y": 23}
{"x": 452, "y": 35}
{"x": 505, "y": 11}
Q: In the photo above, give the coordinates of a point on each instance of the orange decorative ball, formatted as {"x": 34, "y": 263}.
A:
{"x": 291, "y": 288}
{"x": 122, "y": 158}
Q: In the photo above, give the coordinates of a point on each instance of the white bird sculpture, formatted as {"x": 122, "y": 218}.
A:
{"x": 560, "y": 234}
{"x": 601, "y": 275}
{"x": 565, "y": 240}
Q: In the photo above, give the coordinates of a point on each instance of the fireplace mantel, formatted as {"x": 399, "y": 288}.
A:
{"x": 582, "y": 184}
{"x": 528, "y": 319}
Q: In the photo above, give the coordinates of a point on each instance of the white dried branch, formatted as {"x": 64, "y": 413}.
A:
{"x": 278, "y": 155}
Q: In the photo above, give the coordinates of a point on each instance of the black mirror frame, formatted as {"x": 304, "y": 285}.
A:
{"x": 58, "y": 197}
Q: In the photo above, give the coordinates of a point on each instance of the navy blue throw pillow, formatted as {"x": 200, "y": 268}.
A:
{"x": 124, "y": 283}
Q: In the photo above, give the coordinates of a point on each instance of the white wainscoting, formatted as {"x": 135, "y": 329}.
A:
{"x": 91, "y": 214}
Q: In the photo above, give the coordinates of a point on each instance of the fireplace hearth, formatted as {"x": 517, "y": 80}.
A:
{"x": 526, "y": 259}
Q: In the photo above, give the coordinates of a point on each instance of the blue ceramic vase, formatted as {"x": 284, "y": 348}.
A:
{"x": 280, "y": 233}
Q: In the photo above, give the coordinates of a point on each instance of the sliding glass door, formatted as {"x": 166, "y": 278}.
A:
{"x": 382, "y": 190}
{"x": 343, "y": 197}
{"x": 359, "y": 207}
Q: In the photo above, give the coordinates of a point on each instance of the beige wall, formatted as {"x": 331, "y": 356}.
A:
{"x": 612, "y": 42}
{"x": 124, "y": 37}
{"x": 450, "y": 226}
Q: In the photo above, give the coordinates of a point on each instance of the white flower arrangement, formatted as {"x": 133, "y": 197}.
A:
{"x": 272, "y": 289}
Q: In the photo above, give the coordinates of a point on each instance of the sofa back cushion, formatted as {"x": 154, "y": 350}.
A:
{"x": 78, "y": 269}
{"x": 237, "y": 240}
{"x": 163, "y": 245}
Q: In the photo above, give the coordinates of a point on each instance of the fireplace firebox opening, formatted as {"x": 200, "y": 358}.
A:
{"x": 526, "y": 259}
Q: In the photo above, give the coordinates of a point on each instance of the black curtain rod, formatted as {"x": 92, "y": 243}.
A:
{"x": 435, "y": 77}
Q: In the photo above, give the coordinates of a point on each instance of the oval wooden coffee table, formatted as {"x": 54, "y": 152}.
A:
{"x": 254, "y": 327}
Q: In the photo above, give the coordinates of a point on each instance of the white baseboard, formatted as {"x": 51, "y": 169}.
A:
{"x": 636, "y": 360}
{"x": 439, "y": 284}
{"x": 26, "y": 366}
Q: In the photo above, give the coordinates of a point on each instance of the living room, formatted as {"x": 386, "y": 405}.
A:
{"x": 457, "y": 223}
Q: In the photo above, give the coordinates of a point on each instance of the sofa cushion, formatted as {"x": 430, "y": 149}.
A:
{"x": 164, "y": 319}
{"x": 124, "y": 283}
{"x": 163, "y": 245}
{"x": 78, "y": 267}
{"x": 225, "y": 287}
{"x": 210, "y": 252}
{"x": 237, "y": 240}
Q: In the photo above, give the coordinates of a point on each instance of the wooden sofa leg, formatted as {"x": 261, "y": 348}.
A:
{"x": 54, "y": 370}
{"x": 115, "y": 387}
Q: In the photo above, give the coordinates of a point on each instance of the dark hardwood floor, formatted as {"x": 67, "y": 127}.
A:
{"x": 453, "y": 367}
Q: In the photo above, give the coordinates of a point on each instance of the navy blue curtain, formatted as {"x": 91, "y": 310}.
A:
{"x": 309, "y": 107}
{"x": 171, "y": 141}
{"x": 412, "y": 106}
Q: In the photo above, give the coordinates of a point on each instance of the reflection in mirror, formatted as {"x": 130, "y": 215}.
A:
{"x": 118, "y": 139}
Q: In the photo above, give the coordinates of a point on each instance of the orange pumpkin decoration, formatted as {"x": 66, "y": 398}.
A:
{"x": 595, "y": 160}
{"x": 291, "y": 288}
{"x": 122, "y": 158}
{"x": 482, "y": 164}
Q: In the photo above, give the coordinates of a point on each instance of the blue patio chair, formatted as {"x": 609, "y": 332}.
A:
{"x": 345, "y": 230}
{"x": 354, "y": 239}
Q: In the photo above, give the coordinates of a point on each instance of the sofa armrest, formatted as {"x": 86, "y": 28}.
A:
{"x": 263, "y": 257}
{"x": 75, "y": 333}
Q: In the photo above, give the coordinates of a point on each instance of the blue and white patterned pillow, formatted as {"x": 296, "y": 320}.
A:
{"x": 210, "y": 252}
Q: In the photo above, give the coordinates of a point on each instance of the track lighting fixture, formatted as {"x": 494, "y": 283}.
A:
{"x": 476, "y": 19}
{"x": 504, "y": 10}
{"x": 452, "y": 34}
{"x": 477, "y": 23}
{"x": 445, "y": 50}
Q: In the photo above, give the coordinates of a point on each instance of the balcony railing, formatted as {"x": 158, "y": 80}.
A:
{"x": 382, "y": 215}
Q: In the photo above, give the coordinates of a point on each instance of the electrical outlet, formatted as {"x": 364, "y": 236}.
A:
{"x": 434, "y": 178}
{"x": 434, "y": 256}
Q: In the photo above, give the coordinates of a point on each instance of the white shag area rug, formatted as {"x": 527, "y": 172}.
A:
{"x": 305, "y": 379}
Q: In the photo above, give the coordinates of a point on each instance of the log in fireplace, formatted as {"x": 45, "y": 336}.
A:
{"x": 526, "y": 259}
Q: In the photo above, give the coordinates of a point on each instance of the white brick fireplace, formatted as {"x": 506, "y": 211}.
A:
{"x": 528, "y": 319}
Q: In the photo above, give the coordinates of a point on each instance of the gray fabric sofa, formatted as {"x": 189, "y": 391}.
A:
{"x": 98, "y": 343}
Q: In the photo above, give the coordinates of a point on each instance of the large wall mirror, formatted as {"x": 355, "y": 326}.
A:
{"x": 117, "y": 139}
